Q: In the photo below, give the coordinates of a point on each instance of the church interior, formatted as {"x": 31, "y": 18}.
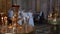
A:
{"x": 29, "y": 16}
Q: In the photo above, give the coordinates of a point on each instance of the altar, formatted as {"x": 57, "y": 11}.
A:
{"x": 55, "y": 22}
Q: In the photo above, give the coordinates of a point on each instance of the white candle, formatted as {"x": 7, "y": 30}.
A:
{"x": 2, "y": 18}
{"x": 2, "y": 21}
{"x": 54, "y": 19}
{"x": 14, "y": 30}
{"x": 50, "y": 15}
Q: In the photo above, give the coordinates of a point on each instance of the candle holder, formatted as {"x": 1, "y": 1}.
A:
{"x": 2, "y": 19}
{"x": 6, "y": 23}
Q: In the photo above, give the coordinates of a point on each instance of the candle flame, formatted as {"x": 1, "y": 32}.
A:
{"x": 2, "y": 18}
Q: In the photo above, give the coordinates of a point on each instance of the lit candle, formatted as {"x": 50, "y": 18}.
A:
{"x": 2, "y": 18}
{"x": 54, "y": 19}
{"x": 50, "y": 15}
{"x": 14, "y": 29}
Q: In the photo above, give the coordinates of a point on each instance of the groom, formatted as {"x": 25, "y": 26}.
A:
{"x": 41, "y": 18}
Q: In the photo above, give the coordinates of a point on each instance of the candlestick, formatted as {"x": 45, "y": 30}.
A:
{"x": 5, "y": 19}
{"x": 2, "y": 21}
{"x": 14, "y": 28}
